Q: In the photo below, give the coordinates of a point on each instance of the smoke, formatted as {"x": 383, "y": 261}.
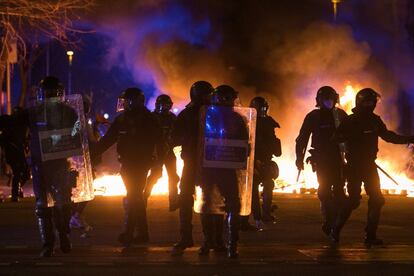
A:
{"x": 321, "y": 54}
{"x": 167, "y": 50}
{"x": 275, "y": 49}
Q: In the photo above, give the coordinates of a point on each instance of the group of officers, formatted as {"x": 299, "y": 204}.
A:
{"x": 343, "y": 150}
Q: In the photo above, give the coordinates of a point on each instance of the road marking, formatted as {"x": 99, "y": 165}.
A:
{"x": 100, "y": 264}
{"x": 16, "y": 247}
{"x": 49, "y": 264}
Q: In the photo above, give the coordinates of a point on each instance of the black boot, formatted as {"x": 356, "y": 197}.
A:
{"x": 341, "y": 219}
{"x": 219, "y": 228}
{"x": 207, "y": 223}
{"x": 186, "y": 229}
{"x": 233, "y": 228}
{"x": 245, "y": 225}
{"x": 267, "y": 202}
{"x": 142, "y": 225}
{"x": 374, "y": 212}
{"x": 372, "y": 240}
{"x": 327, "y": 219}
{"x": 62, "y": 216}
{"x": 126, "y": 238}
{"x": 47, "y": 235}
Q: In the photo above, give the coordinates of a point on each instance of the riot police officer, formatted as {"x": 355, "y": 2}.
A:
{"x": 162, "y": 111}
{"x": 185, "y": 134}
{"x": 14, "y": 139}
{"x": 266, "y": 170}
{"x": 138, "y": 136}
{"x": 51, "y": 177}
{"x": 360, "y": 131}
{"x": 326, "y": 156}
{"x": 223, "y": 124}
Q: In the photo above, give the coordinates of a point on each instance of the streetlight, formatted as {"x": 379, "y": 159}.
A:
{"x": 70, "y": 57}
{"x": 335, "y": 7}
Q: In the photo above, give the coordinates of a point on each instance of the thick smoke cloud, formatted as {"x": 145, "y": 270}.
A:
{"x": 283, "y": 50}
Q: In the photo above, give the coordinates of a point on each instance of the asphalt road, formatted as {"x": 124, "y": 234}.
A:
{"x": 295, "y": 245}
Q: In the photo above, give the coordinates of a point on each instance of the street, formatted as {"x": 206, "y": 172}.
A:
{"x": 295, "y": 245}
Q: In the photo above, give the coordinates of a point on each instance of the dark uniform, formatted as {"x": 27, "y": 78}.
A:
{"x": 326, "y": 159}
{"x": 138, "y": 136}
{"x": 167, "y": 121}
{"x": 185, "y": 134}
{"x": 360, "y": 131}
{"x": 14, "y": 141}
{"x": 266, "y": 170}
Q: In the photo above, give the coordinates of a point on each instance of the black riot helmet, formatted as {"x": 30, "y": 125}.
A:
{"x": 326, "y": 97}
{"x": 50, "y": 87}
{"x": 366, "y": 100}
{"x": 261, "y": 106}
{"x": 200, "y": 92}
{"x": 163, "y": 104}
{"x": 224, "y": 95}
{"x": 131, "y": 99}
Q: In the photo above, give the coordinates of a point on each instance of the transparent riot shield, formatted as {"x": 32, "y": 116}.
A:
{"x": 60, "y": 150}
{"x": 225, "y": 156}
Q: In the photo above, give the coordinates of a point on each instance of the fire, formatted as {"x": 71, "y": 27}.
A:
{"x": 286, "y": 183}
{"x": 110, "y": 185}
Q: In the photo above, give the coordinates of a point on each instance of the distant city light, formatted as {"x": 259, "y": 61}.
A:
{"x": 106, "y": 116}
{"x": 175, "y": 110}
{"x": 89, "y": 121}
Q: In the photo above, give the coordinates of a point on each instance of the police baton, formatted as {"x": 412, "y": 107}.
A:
{"x": 387, "y": 175}
{"x": 298, "y": 176}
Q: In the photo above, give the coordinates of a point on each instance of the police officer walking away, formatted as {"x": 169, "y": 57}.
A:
{"x": 138, "y": 135}
{"x": 185, "y": 134}
{"x": 162, "y": 111}
{"x": 360, "y": 131}
{"x": 326, "y": 157}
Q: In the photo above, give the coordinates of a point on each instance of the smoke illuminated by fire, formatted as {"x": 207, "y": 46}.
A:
{"x": 308, "y": 182}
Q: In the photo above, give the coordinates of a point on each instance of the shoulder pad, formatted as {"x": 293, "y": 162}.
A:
{"x": 273, "y": 122}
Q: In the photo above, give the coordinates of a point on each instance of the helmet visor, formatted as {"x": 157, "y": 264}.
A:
{"x": 120, "y": 106}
